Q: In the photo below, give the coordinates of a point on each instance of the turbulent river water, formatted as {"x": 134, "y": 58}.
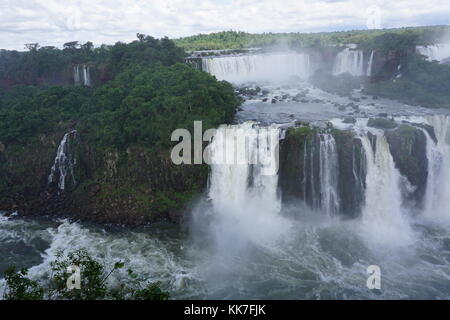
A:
{"x": 241, "y": 242}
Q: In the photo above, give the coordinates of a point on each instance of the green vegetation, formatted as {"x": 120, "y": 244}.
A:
{"x": 239, "y": 40}
{"x": 142, "y": 92}
{"x": 53, "y": 66}
{"x": 422, "y": 83}
{"x": 154, "y": 95}
{"x": 93, "y": 282}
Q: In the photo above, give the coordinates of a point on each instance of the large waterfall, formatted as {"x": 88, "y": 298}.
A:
{"x": 349, "y": 61}
{"x": 63, "y": 165}
{"x": 437, "y": 52}
{"x": 244, "y": 182}
{"x": 329, "y": 168}
{"x": 81, "y": 75}
{"x": 258, "y": 67}
{"x": 438, "y": 182}
{"x": 383, "y": 215}
{"x": 369, "y": 65}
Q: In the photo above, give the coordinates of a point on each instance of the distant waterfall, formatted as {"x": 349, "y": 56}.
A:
{"x": 383, "y": 214}
{"x": 369, "y": 65}
{"x": 329, "y": 169}
{"x": 438, "y": 182}
{"x": 242, "y": 191}
{"x": 436, "y": 52}
{"x": 62, "y": 168}
{"x": 81, "y": 75}
{"x": 261, "y": 67}
{"x": 349, "y": 61}
{"x": 76, "y": 75}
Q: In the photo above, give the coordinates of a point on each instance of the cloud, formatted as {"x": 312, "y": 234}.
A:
{"x": 53, "y": 22}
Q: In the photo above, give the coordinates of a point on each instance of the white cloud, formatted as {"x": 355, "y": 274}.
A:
{"x": 53, "y": 22}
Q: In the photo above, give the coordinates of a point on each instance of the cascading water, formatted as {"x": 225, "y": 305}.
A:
{"x": 369, "y": 65}
{"x": 329, "y": 169}
{"x": 76, "y": 75}
{"x": 243, "y": 184}
{"x": 438, "y": 182}
{"x": 436, "y": 52}
{"x": 349, "y": 61}
{"x": 261, "y": 67}
{"x": 87, "y": 76}
{"x": 81, "y": 75}
{"x": 64, "y": 163}
{"x": 383, "y": 216}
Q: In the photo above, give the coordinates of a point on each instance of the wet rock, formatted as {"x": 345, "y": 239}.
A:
{"x": 429, "y": 129}
{"x": 408, "y": 148}
{"x": 349, "y": 120}
{"x": 351, "y": 172}
{"x": 383, "y": 115}
{"x": 381, "y": 123}
{"x": 274, "y": 101}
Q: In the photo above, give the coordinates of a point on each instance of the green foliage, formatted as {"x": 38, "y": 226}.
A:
{"x": 19, "y": 287}
{"x": 422, "y": 83}
{"x": 93, "y": 286}
{"x": 93, "y": 280}
{"x": 239, "y": 40}
{"x": 143, "y": 105}
{"x": 52, "y": 66}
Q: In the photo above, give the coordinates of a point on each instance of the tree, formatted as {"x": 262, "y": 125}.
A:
{"x": 32, "y": 46}
{"x": 71, "y": 45}
{"x": 87, "y": 46}
{"x": 93, "y": 278}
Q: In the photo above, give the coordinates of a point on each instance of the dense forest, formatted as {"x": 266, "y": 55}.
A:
{"x": 152, "y": 93}
{"x": 141, "y": 92}
{"x": 239, "y": 40}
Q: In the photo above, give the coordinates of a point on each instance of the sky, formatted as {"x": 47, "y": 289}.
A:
{"x": 55, "y": 22}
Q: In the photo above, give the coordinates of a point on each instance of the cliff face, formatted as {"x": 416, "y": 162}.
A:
{"x": 107, "y": 186}
{"x": 307, "y": 169}
{"x": 408, "y": 148}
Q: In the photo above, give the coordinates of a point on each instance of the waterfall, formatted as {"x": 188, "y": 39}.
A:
{"x": 82, "y": 77}
{"x": 76, "y": 75}
{"x": 438, "y": 181}
{"x": 436, "y": 52}
{"x": 349, "y": 61}
{"x": 383, "y": 217}
{"x": 64, "y": 163}
{"x": 87, "y": 76}
{"x": 261, "y": 67}
{"x": 243, "y": 193}
{"x": 369, "y": 66}
{"x": 329, "y": 169}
